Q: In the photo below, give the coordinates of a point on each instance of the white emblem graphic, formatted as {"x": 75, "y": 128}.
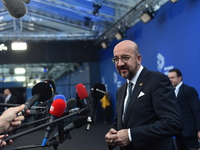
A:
{"x": 161, "y": 64}
{"x": 160, "y": 61}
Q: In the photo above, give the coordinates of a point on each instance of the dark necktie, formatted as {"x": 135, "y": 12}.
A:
{"x": 130, "y": 85}
{"x": 175, "y": 91}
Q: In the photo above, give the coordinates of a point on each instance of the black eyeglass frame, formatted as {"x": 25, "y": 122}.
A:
{"x": 124, "y": 59}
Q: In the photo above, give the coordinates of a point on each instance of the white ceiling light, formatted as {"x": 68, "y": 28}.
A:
{"x": 20, "y": 70}
{"x": 30, "y": 84}
{"x": 19, "y": 46}
{"x": 20, "y": 78}
{"x": 3, "y": 47}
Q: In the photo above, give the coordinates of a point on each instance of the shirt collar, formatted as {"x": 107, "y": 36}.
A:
{"x": 136, "y": 76}
{"x": 178, "y": 86}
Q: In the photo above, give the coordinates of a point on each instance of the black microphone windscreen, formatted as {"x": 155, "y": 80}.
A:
{"x": 45, "y": 90}
{"x": 98, "y": 91}
{"x": 26, "y": 1}
{"x": 80, "y": 121}
{"x": 16, "y": 8}
{"x": 51, "y": 84}
{"x": 70, "y": 103}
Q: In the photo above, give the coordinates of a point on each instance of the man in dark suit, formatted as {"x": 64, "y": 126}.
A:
{"x": 188, "y": 100}
{"x": 9, "y": 97}
{"x": 152, "y": 116}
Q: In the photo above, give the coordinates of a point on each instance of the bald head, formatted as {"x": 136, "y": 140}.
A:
{"x": 127, "y": 46}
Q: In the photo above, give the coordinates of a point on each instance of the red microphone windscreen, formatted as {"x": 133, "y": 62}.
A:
{"x": 81, "y": 91}
{"x": 58, "y": 107}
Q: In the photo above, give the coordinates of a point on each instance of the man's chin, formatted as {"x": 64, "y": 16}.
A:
{"x": 124, "y": 75}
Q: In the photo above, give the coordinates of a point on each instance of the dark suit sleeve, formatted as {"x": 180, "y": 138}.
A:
{"x": 161, "y": 118}
{"x": 193, "y": 100}
{"x": 114, "y": 125}
{"x": 12, "y": 100}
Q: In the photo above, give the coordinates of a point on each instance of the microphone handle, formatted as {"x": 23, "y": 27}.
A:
{"x": 89, "y": 120}
{"x": 30, "y": 103}
{"x": 61, "y": 131}
{"x": 8, "y": 105}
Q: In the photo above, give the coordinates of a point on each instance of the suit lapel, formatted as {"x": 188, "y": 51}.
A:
{"x": 179, "y": 92}
{"x": 137, "y": 89}
{"x": 121, "y": 104}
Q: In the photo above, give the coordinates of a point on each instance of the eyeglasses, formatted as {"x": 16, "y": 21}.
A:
{"x": 124, "y": 59}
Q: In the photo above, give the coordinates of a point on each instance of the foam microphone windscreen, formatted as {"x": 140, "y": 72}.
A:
{"x": 98, "y": 91}
{"x": 80, "y": 121}
{"x": 26, "y": 1}
{"x": 81, "y": 91}
{"x": 70, "y": 103}
{"x": 59, "y": 97}
{"x": 52, "y": 84}
{"x": 16, "y": 8}
{"x": 45, "y": 89}
{"x": 57, "y": 107}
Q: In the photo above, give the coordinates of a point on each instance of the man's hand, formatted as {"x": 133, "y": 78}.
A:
{"x": 109, "y": 137}
{"x": 3, "y": 143}
{"x": 120, "y": 138}
{"x": 10, "y": 119}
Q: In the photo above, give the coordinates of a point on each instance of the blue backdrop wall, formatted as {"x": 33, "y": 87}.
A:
{"x": 170, "y": 40}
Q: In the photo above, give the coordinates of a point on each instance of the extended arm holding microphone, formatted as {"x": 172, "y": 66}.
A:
{"x": 9, "y": 119}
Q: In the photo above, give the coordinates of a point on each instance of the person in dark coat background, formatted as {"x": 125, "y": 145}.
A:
{"x": 188, "y": 101}
{"x": 9, "y": 97}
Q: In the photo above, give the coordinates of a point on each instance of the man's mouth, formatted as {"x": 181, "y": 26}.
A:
{"x": 123, "y": 70}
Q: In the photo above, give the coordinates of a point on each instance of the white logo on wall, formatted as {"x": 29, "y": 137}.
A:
{"x": 161, "y": 64}
{"x": 118, "y": 83}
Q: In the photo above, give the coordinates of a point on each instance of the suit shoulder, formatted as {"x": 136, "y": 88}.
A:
{"x": 188, "y": 87}
{"x": 157, "y": 74}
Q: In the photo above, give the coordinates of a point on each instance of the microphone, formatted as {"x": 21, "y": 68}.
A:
{"x": 16, "y": 8}
{"x": 56, "y": 110}
{"x": 97, "y": 92}
{"x": 70, "y": 104}
{"x": 82, "y": 93}
{"x": 41, "y": 91}
{"x": 77, "y": 123}
{"x": 37, "y": 111}
{"x": 26, "y": 1}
